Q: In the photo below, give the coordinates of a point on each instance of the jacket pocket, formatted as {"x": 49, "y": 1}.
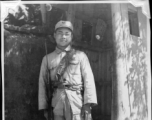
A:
{"x": 73, "y": 67}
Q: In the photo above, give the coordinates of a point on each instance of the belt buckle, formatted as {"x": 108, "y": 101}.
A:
{"x": 61, "y": 86}
{"x": 67, "y": 86}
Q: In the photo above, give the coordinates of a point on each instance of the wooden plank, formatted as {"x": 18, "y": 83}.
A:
{"x": 107, "y": 67}
{"x": 100, "y": 68}
{"x": 105, "y": 99}
{"x": 94, "y": 61}
{"x": 91, "y": 48}
{"x": 79, "y": 8}
{"x": 108, "y": 64}
{"x": 81, "y": 16}
{"x": 103, "y": 65}
{"x": 99, "y": 99}
{"x": 98, "y": 74}
{"x": 103, "y": 83}
{"x": 109, "y": 93}
{"x": 71, "y": 13}
{"x": 88, "y": 9}
{"x": 77, "y": 29}
{"x": 102, "y": 100}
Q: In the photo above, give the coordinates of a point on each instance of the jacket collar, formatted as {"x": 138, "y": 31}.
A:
{"x": 58, "y": 50}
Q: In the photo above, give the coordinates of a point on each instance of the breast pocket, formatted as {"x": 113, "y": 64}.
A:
{"x": 74, "y": 66}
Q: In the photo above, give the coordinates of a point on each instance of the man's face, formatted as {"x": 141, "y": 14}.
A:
{"x": 63, "y": 37}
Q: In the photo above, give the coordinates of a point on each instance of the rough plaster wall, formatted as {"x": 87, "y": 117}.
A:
{"x": 137, "y": 70}
{"x": 130, "y": 75}
{"x": 23, "y": 56}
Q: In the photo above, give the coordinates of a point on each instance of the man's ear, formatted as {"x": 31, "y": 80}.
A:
{"x": 54, "y": 35}
{"x": 72, "y": 35}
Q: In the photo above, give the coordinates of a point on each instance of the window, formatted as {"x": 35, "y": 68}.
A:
{"x": 133, "y": 23}
{"x": 86, "y": 31}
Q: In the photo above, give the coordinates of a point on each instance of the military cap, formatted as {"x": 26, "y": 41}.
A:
{"x": 64, "y": 24}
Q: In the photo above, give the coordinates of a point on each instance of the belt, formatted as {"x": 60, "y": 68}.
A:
{"x": 70, "y": 87}
{"x": 63, "y": 86}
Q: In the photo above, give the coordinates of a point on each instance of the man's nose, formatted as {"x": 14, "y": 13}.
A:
{"x": 63, "y": 36}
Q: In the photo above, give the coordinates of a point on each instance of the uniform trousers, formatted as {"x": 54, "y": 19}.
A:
{"x": 62, "y": 110}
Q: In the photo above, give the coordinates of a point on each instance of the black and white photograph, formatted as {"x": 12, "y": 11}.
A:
{"x": 76, "y": 60}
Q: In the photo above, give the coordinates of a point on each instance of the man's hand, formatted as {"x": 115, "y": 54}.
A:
{"x": 86, "y": 109}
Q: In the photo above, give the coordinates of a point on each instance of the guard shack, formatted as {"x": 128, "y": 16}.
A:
{"x": 114, "y": 36}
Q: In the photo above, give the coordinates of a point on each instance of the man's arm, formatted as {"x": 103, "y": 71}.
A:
{"x": 42, "y": 93}
{"x": 90, "y": 97}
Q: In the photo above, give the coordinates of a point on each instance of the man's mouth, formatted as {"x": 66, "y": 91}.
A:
{"x": 63, "y": 40}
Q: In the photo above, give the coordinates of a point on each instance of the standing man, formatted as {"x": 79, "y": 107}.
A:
{"x": 71, "y": 77}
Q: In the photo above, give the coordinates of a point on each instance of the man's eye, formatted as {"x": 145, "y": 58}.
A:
{"x": 67, "y": 34}
{"x": 59, "y": 33}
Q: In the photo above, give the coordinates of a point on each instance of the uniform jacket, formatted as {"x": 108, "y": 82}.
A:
{"x": 79, "y": 72}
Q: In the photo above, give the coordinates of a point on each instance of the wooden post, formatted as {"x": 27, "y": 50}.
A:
{"x": 43, "y": 13}
{"x": 71, "y": 13}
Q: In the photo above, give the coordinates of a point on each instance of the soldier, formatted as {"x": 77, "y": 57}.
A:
{"x": 71, "y": 78}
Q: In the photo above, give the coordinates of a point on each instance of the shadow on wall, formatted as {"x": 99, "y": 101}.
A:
{"x": 132, "y": 50}
{"x": 22, "y": 59}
